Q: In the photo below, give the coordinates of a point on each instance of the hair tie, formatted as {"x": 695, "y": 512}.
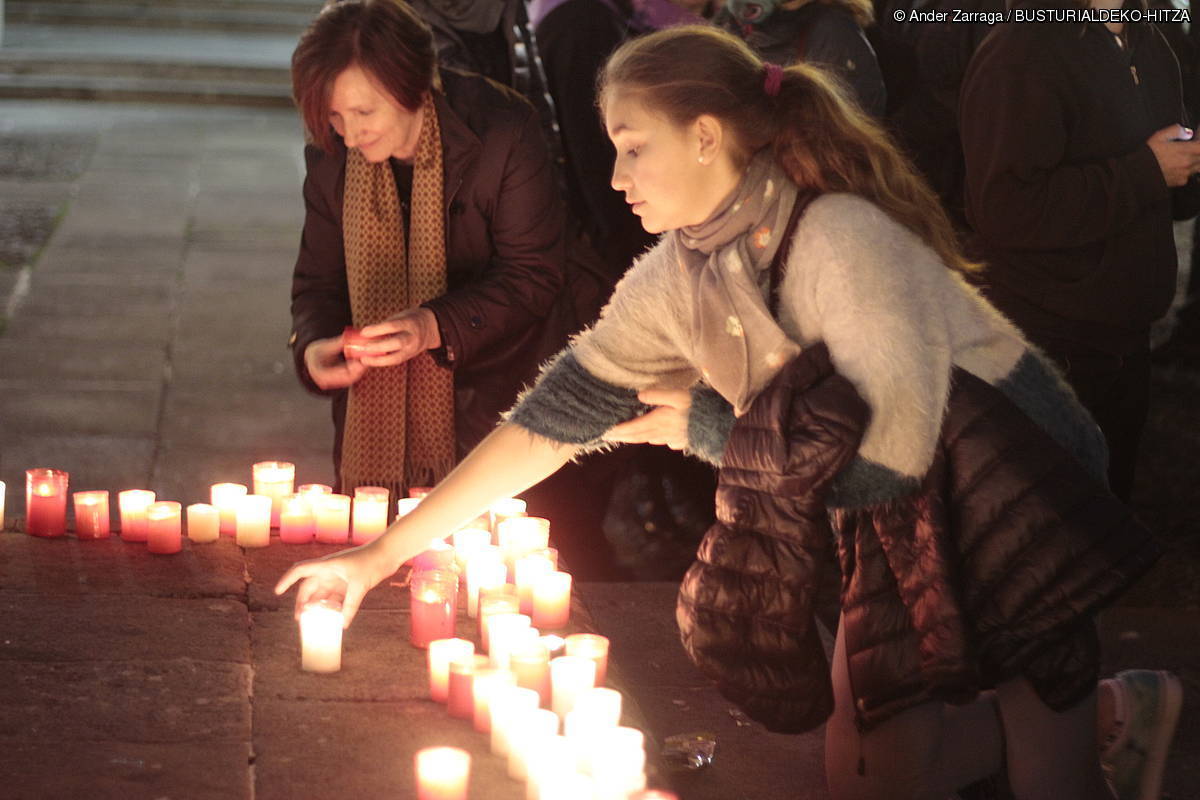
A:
{"x": 773, "y": 79}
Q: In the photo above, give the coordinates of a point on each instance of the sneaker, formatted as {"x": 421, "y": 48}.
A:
{"x": 1147, "y": 710}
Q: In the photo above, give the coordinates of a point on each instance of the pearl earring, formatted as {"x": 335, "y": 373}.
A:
{"x": 700, "y": 159}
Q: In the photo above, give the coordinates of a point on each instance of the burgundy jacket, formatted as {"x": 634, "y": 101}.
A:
{"x": 994, "y": 568}
{"x": 504, "y": 253}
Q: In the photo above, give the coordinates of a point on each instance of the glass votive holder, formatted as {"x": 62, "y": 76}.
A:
{"x": 499, "y": 600}
{"x": 321, "y": 637}
{"x": 276, "y": 480}
{"x": 370, "y": 515}
{"x": 405, "y": 505}
{"x": 331, "y": 516}
{"x": 593, "y": 646}
{"x": 441, "y": 653}
{"x": 132, "y": 505}
{"x": 254, "y": 520}
{"x": 505, "y": 509}
{"x": 433, "y": 603}
{"x": 164, "y": 529}
{"x": 570, "y": 676}
{"x": 296, "y": 520}
{"x": 486, "y": 683}
{"x": 91, "y": 514}
{"x": 443, "y": 773}
{"x": 203, "y": 523}
{"x": 550, "y": 599}
{"x": 225, "y": 496}
{"x": 460, "y": 695}
{"x": 46, "y": 502}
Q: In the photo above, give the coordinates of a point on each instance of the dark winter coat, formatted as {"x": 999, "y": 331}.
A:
{"x": 993, "y": 569}
{"x": 504, "y": 252}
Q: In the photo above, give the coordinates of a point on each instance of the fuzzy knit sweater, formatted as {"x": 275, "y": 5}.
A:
{"x": 894, "y": 318}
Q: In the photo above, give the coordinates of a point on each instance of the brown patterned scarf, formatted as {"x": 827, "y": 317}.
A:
{"x": 399, "y": 420}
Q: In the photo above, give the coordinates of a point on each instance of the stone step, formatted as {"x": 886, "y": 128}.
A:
{"x": 150, "y": 90}
{"x": 42, "y": 63}
{"x": 226, "y": 16}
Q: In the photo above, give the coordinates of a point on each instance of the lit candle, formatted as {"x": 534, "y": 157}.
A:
{"x": 419, "y": 492}
{"x": 617, "y": 761}
{"x": 487, "y": 681}
{"x": 225, "y": 496}
{"x": 507, "y": 632}
{"x": 332, "y": 515}
{"x": 550, "y": 782}
{"x": 132, "y": 505}
{"x": 438, "y": 555}
{"x": 530, "y": 732}
{"x": 596, "y": 709}
{"x": 527, "y": 571}
{"x": 508, "y": 704}
{"x": 501, "y": 600}
{"x": 442, "y": 773}
{"x": 506, "y": 509}
{"x": 485, "y": 572}
{"x": 307, "y": 489}
{"x": 593, "y": 646}
{"x": 276, "y": 480}
{"x": 91, "y": 514}
{"x": 519, "y": 536}
{"x": 296, "y": 520}
{"x": 554, "y": 758}
{"x": 254, "y": 521}
{"x": 163, "y": 529}
{"x": 654, "y": 794}
{"x": 320, "y": 638}
{"x": 370, "y": 513}
{"x": 441, "y": 653}
{"x": 405, "y": 505}
{"x": 460, "y": 697}
{"x": 570, "y": 676}
{"x": 554, "y": 644}
{"x": 531, "y": 665}
{"x": 203, "y": 522}
{"x": 552, "y": 600}
{"x": 46, "y": 502}
{"x": 467, "y": 543}
{"x": 434, "y": 600}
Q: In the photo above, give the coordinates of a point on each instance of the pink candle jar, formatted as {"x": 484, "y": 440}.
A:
{"x": 226, "y": 496}
{"x": 132, "y": 505}
{"x": 46, "y": 502}
{"x": 439, "y": 556}
{"x": 460, "y": 693}
{"x": 164, "y": 533}
{"x": 296, "y": 520}
{"x": 331, "y": 517}
{"x": 434, "y": 600}
{"x": 91, "y": 514}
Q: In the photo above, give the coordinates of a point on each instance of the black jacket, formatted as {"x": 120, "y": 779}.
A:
{"x": 994, "y": 568}
{"x": 504, "y": 252}
{"x": 1067, "y": 201}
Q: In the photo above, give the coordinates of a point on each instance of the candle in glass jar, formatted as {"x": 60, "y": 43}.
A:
{"x": 132, "y": 505}
{"x": 164, "y": 528}
{"x": 320, "y": 638}
{"x": 441, "y": 653}
{"x": 276, "y": 480}
{"x": 530, "y": 732}
{"x": 225, "y": 496}
{"x": 552, "y": 782}
{"x": 331, "y": 513}
{"x": 553, "y": 758}
{"x": 460, "y": 697}
{"x": 570, "y": 676}
{"x": 405, "y": 505}
{"x": 501, "y": 600}
{"x": 203, "y": 522}
{"x": 91, "y": 514}
{"x": 442, "y": 773}
{"x": 531, "y": 664}
{"x": 485, "y": 684}
{"x": 554, "y": 644}
{"x": 552, "y": 600}
{"x": 3, "y": 489}
{"x": 593, "y": 646}
{"x": 527, "y": 571}
{"x": 434, "y": 601}
{"x": 307, "y": 489}
{"x": 507, "y": 632}
{"x": 596, "y": 710}
{"x": 485, "y": 571}
{"x": 46, "y": 502}
{"x": 419, "y": 492}
{"x": 519, "y": 536}
{"x": 438, "y": 555}
{"x": 506, "y": 509}
{"x": 467, "y": 543}
{"x": 296, "y": 520}
{"x": 617, "y": 760}
{"x": 508, "y": 704}
{"x": 370, "y": 513}
{"x": 254, "y": 521}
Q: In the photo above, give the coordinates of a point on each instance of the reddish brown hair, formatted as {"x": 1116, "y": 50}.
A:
{"x": 384, "y": 38}
{"x": 820, "y": 137}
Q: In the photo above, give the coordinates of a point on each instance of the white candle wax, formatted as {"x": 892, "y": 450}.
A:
{"x": 507, "y": 632}
{"x": 203, "y": 522}
{"x": 504, "y": 509}
{"x": 508, "y": 704}
{"x": 552, "y": 600}
{"x": 527, "y": 571}
{"x": 320, "y": 638}
{"x": 332, "y": 518}
{"x": 276, "y": 480}
{"x": 531, "y": 665}
{"x": 530, "y": 731}
{"x": 467, "y": 543}
{"x": 486, "y": 683}
{"x": 485, "y": 570}
{"x": 405, "y": 505}
{"x": 570, "y": 676}
{"x": 132, "y": 505}
{"x": 596, "y": 709}
{"x": 520, "y": 536}
{"x": 441, "y": 653}
{"x": 225, "y": 496}
{"x": 370, "y": 513}
{"x": 442, "y": 773}
{"x": 558, "y": 783}
{"x": 593, "y": 646}
{"x": 618, "y": 755}
{"x": 254, "y": 521}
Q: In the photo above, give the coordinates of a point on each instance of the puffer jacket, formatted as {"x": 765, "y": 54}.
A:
{"x": 994, "y": 568}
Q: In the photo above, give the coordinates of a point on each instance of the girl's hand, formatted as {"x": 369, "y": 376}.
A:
{"x": 667, "y": 424}
{"x": 343, "y": 578}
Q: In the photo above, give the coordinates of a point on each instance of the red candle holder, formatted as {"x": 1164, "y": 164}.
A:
{"x": 46, "y": 502}
{"x": 91, "y": 514}
{"x": 434, "y": 596}
{"x": 353, "y": 343}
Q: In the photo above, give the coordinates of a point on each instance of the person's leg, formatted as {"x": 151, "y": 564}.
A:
{"x": 929, "y": 751}
{"x": 1051, "y": 755}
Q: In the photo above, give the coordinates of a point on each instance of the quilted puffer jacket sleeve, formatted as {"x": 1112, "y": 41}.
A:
{"x": 746, "y": 606}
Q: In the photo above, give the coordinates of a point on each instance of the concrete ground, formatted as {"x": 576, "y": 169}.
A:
{"x": 147, "y": 349}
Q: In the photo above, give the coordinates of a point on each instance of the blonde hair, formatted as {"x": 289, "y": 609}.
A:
{"x": 820, "y": 137}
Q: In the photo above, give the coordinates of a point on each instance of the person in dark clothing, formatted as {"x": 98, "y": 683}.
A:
{"x": 1074, "y": 172}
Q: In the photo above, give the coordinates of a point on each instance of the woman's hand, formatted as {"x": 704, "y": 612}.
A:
{"x": 1178, "y": 156}
{"x": 667, "y": 424}
{"x": 327, "y": 368}
{"x": 404, "y": 336}
{"x": 343, "y": 578}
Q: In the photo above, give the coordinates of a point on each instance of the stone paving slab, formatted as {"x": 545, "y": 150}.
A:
{"x": 113, "y": 567}
{"x": 129, "y": 701}
{"x": 338, "y": 749}
{"x": 252, "y": 418}
{"x": 42, "y": 628}
{"x": 126, "y": 771}
{"x": 150, "y": 325}
{"x": 378, "y": 663}
{"x": 265, "y": 566}
{"x": 242, "y": 209}
{"x": 81, "y": 360}
{"x": 138, "y": 258}
{"x": 93, "y": 461}
{"x": 215, "y": 269}
{"x": 59, "y": 411}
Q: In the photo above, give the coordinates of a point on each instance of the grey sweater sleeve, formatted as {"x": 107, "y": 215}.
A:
{"x": 710, "y": 421}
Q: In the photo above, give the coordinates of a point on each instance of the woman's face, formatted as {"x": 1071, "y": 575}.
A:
{"x": 370, "y": 120}
{"x": 671, "y": 176}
